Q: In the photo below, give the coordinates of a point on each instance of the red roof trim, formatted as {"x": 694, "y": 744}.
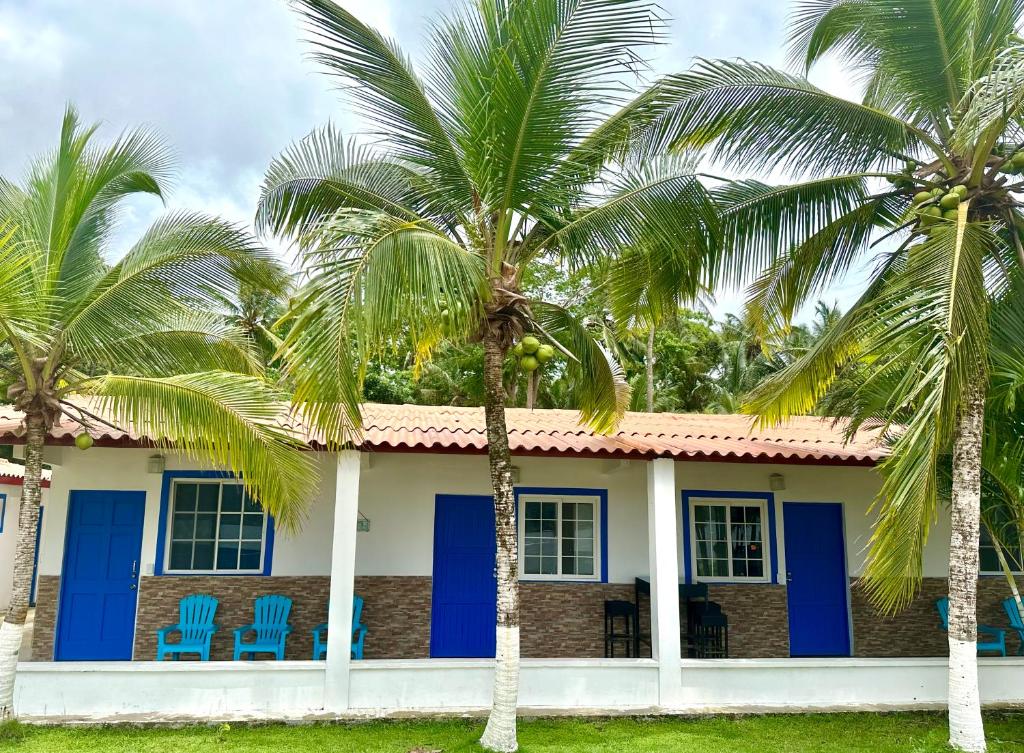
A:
{"x": 18, "y": 481}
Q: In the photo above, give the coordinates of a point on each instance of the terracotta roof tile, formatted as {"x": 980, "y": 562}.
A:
{"x": 12, "y": 474}
{"x": 558, "y": 432}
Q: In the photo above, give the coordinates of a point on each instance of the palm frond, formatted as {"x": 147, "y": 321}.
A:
{"x": 325, "y": 172}
{"x": 761, "y": 223}
{"x": 224, "y": 419}
{"x": 183, "y": 259}
{"x": 925, "y": 51}
{"x": 660, "y": 205}
{"x": 70, "y": 197}
{"x": 601, "y": 391}
{"x": 795, "y": 278}
{"x": 750, "y": 117}
{"x": 933, "y": 325}
{"x": 550, "y": 67}
{"x": 379, "y": 79}
{"x": 185, "y": 340}
{"x": 375, "y": 283}
{"x": 992, "y": 101}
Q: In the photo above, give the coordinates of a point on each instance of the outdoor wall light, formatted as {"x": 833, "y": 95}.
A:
{"x": 156, "y": 464}
{"x": 776, "y": 482}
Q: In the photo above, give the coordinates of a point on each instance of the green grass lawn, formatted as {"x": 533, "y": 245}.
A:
{"x": 877, "y": 733}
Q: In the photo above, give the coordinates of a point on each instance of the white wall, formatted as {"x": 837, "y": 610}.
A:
{"x": 169, "y": 691}
{"x": 306, "y": 552}
{"x": 9, "y": 539}
{"x": 397, "y": 493}
{"x": 854, "y": 487}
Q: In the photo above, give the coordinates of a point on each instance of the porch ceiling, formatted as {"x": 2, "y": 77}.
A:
{"x": 419, "y": 428}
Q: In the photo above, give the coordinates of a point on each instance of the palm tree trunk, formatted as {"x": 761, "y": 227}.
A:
{"x": 966, "y": 731}
{"x": 649, "y": 366}
{"x": 24, "y": 559}
{"x": 532, "y": 385}
{"x": 500, "y": 734}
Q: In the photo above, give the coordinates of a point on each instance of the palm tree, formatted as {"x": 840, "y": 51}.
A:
{"x": 505, "y": 149}
{"x": 136, "y": 342}
{"x": 941, "y": 122}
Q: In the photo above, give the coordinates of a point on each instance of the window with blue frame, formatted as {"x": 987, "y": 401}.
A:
{"x": 560, "y": 537}
{"x": 214, "y": 527}
{"x": 989, "y": 559}
{"x": 729, "y": 541}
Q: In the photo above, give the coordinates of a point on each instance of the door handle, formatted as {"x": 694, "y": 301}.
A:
{"x": 789, "y": 577}
{"x": 135, "y": 569}
{"x": 132, "y": 587}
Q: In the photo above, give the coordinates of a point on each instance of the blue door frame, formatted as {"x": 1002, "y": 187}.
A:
{"x": 464, "y": 598}
{"x": 100, "y": 576}
{"x": 817, "y": 586}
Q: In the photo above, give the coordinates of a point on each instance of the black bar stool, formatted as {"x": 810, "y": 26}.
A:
{"x": 619, "y": 627}
{"x": 712, "y": 635}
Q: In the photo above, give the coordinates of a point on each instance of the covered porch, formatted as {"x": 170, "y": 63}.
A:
{"x": 755, "y": 530}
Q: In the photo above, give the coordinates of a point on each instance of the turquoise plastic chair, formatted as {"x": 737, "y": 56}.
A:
{"x": 1010, "y": 606}
{"x": 358, "y": 633}
{"x": 270, "y": 625}
{"x": 195, "y": 623}
{"x": 998, "y": 642}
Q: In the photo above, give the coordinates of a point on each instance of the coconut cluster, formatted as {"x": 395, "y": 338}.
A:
{"x": 1014, "y": 165}
{"x": 939, "y": 204}
{"x": 905, "y": 180}
{"x": 532, "y": 354}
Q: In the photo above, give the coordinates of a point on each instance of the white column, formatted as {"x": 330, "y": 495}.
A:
{"x": 664, "y": 558}
{"x": 343, "y": 569}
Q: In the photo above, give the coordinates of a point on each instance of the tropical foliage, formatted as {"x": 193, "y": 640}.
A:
{"x": 141, "y": 341}
{"x": 929, "y": 161}
{"x": 507, "y": 146}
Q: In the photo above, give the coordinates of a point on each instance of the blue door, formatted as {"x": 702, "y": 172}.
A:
{"x": 817, "y": 587}
{"x": 100, "y": 578}
{"x": 464, "y": 604}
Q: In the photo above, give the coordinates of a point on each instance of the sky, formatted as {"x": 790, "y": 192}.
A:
{"x": 228, "y": 83}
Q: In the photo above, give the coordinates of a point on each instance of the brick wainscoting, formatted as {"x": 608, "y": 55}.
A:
{"x": 758, "y": 619}
{"x": 566, "y": 620}
{"x": 917, "y": 631}
{"x": 158, "y": 606}
{"x": 47, "y": 595}
{"x": 396, "y": 613}
{"x": 558, "y": 619}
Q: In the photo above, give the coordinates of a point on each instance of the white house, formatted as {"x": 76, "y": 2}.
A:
{"x": 11, "y": 476}
{"x": 774, "y": 522}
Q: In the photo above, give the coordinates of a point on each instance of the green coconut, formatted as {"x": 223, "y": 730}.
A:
{"x": 937, "y": 192}
{"x": 517, "y": 350}
{"x": 530, "y": 345}
{"x": 950, "y": 201}
{"x": 922, "y": 197}
{"x": 1018, "y": 160}
{"x": 84, "y": 441}
{"x": 951, "y": 214}
{"x": 960, "y": 190}
{"x": 528, "y": 363}
{"x": 545, "y": 353}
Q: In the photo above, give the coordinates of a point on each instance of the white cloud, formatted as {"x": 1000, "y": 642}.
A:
{"x": 229, "y": 84}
